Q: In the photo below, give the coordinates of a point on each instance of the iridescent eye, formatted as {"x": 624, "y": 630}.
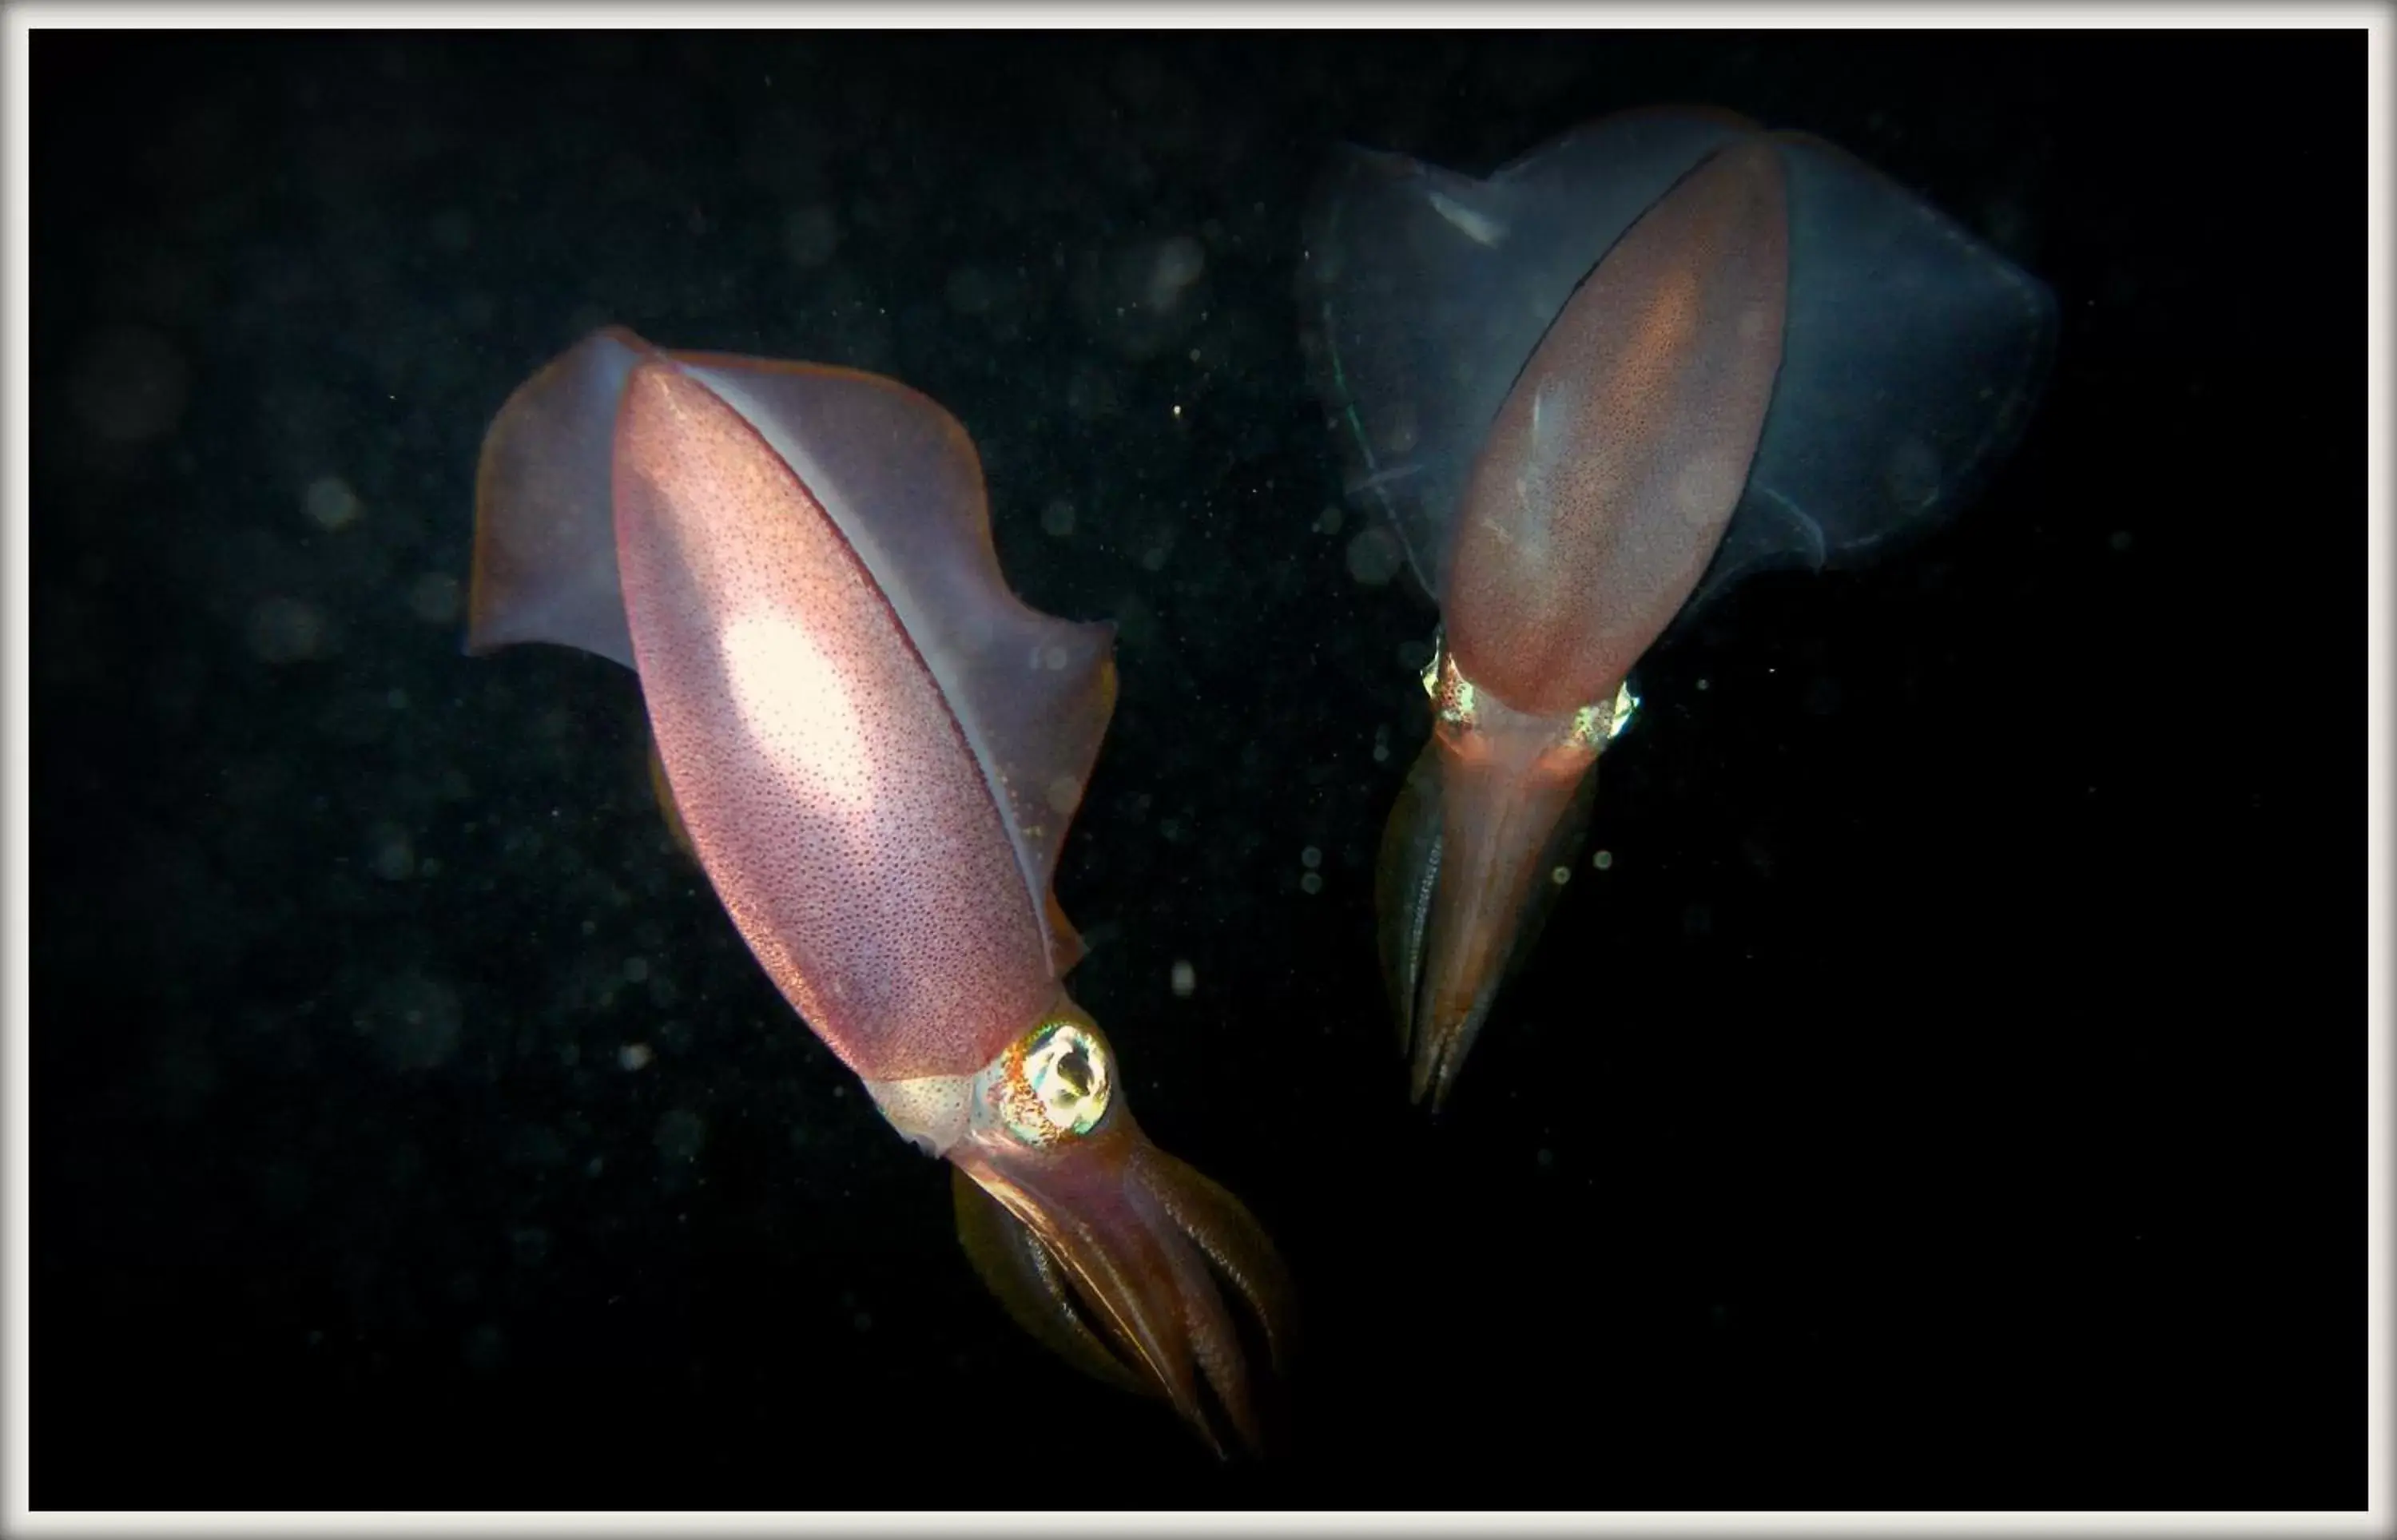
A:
{"x": 1595, "y": 726}
{"x": 1454, "y": 702}
{"x": 1055, "y": 1085}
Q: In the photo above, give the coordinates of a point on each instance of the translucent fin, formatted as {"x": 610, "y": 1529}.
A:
{"x": 1423, "y": 292}
{"x": 544, "y": 531}
{"x": 899, "y": 477}
{"x": 1912, "y": 357}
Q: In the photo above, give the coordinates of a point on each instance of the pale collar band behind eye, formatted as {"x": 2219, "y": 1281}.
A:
{"x": 933, "y": 1110}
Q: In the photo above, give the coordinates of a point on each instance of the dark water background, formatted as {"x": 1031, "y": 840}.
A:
{"x": 1951, "y": 1096}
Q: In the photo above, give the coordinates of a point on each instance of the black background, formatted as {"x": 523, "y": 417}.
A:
{"x": 1951, "y": 1096}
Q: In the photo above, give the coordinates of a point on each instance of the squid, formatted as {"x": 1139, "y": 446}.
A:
{"x": 1590, "y": 394}
{"x": 874, "y": 749}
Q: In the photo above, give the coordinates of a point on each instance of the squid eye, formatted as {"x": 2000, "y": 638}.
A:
{"x": 1453, "y": 699}
{"x": 1595, "y": 726}
{"x": 1055, "y": 1085}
